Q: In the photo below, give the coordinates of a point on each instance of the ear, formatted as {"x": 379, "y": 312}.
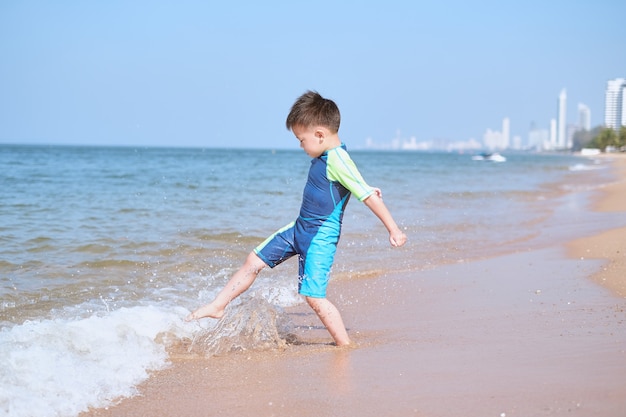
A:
{"x": 320, "y": 134}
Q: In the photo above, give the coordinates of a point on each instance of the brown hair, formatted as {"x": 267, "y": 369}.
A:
{"x": 311, "y": 109}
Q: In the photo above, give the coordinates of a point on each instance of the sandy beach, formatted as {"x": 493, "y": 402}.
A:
{"x": 540, "y": 332}
{"x": 610, "y": 245}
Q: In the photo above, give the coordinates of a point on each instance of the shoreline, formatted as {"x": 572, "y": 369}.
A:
{"x": 528, "y": 333}
{"x": 610, "y": 245}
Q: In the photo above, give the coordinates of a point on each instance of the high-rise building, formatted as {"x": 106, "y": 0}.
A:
{"x": 615, "y": 103}
{"x": 492, "y": 139}
{"x": 539, "y": 138}
{"x": 561, "y": 138}
{"x": 584, "y": 117}
{"x": 553, "y": 142}
{"x": 506, "y": 133}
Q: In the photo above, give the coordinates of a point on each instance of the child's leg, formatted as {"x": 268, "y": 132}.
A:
{"x": 238, "y": 283}
{"x": 329, "y": 315}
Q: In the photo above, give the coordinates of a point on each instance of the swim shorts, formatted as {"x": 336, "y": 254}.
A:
{"x": 316, "y": 253}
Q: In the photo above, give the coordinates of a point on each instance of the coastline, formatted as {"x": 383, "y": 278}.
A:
{"x": 523, "y": 334}
{"x": 609, "y": 245}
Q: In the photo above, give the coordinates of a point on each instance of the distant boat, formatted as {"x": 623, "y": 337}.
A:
{"x": 493, "y": 157}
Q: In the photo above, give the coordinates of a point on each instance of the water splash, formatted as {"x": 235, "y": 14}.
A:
{"x": 251, "y": 323}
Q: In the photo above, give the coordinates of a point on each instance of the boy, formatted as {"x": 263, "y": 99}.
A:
{"x": 333, "y": 177}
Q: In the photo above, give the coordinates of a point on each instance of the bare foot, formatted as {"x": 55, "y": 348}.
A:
{"x": 208, "y": 310}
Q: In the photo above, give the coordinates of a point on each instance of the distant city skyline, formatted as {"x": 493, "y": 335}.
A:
{"x": 558, "y": 136}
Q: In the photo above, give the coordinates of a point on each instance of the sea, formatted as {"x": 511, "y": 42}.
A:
{"x": 104, "y": 250}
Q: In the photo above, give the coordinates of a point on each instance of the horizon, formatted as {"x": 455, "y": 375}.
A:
{"x": 351, "y": 148}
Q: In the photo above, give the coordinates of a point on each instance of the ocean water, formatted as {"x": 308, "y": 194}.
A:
{"x": 103, "y": 251}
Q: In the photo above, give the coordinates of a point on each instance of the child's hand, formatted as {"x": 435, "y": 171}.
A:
{"x": 397, "y": 238}
{"x": 378, "y": 192}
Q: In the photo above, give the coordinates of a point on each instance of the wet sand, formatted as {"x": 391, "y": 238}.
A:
{"x": 610, "y": 245}
{"x": 526, "y": 334}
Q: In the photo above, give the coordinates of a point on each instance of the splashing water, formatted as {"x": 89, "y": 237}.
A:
{"x": 251, "y": 324}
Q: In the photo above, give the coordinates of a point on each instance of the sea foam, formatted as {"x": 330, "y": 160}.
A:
{"x": 61, "y": 367}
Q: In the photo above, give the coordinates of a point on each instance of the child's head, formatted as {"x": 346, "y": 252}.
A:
{"x": 311, "y": 109}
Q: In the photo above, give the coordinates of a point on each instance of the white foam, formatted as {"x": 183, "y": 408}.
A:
{"x": 585, "y": 167}
{"x": 62, "y": 367}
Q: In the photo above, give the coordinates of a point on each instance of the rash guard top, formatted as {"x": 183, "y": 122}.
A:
{"x": 333, "y": 177}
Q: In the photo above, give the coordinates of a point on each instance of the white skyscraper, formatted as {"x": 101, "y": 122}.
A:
{"x": 506, "y": 133}
{"x": 553, "y": 142}
{"x": 615, "y": 103}
{"x": 561, "y": 138}
{"x": 492, "y": 139}
{"x": 584, "y": 117}
{"x": 539, "y": 138}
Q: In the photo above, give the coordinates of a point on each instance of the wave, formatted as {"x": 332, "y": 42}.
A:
{"x": 94, "y": 248}
{"x": 89, "y": 357}
{"x": 586, "y": 167}
{"x": 62, "y": 367}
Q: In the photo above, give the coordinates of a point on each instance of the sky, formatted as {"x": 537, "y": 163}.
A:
{"x": 225, "y": 74}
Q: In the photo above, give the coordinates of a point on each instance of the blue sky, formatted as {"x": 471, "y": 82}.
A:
{"x": 224, "y": 74}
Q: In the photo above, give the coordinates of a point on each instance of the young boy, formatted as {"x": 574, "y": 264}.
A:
{"x": 313, "y": 236}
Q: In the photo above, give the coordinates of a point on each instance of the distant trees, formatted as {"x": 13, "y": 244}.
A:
{"x": 600, "y": 137}
{"x": 609, "y": 137}
{"x": 583, "y": 138}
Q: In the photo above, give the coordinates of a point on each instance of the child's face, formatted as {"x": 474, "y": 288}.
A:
{"x": 311, "y": 140}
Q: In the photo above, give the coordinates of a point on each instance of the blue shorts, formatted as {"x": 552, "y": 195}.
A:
{"x": 315, "y": 248}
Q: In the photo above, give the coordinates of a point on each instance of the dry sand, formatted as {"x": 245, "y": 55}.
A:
{"x": 526, "y": 334}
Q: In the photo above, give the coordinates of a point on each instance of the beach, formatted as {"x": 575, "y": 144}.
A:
{"x": 456, "y": 340}
{"x": 610, "y": 245}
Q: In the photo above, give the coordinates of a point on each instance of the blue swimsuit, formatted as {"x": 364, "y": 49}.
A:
{"x": 333, "y": 177}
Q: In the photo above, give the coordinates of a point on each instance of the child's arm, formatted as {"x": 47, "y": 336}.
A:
{"x": 375, "y": 203}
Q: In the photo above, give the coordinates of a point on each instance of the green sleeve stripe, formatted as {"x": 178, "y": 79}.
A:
{"x": 341, "y": 168}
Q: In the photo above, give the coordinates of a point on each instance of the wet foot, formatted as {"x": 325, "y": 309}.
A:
{"x": 208, "y": 310}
